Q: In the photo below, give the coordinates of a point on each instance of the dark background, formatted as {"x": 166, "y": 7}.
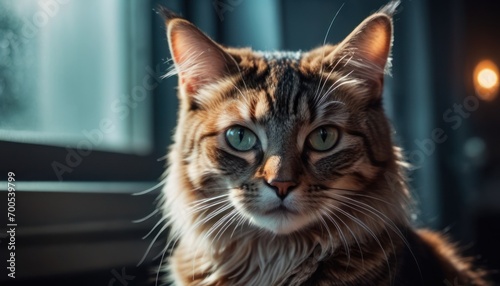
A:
{"x": 79, "y": 232}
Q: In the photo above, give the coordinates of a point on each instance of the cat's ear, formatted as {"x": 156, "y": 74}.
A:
{"x": 365, "y": 53}
{"x": 366, "y": 50}
{"x": 198, "y": 60}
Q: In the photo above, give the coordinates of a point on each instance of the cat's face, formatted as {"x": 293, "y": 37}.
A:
{"x": 282, "y": 153}
{"x": 281, "y": 140}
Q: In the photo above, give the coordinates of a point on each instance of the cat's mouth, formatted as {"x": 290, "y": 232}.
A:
{"x": 281, "y": 210}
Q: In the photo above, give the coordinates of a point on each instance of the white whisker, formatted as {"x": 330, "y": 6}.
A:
{"x": 150, "y": 189}
{"x": 151, "y": 244}
{"x": 324, "y": 42}
{"x": 146, "y": 217}
{"x": 155, "y": 226}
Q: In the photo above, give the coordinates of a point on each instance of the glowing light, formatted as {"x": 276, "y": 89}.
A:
{"x": 487, "y": 78}
{"x": 486, "y": 81}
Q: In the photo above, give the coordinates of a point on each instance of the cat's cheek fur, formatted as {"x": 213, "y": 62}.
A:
{"x": 359, "y": 175}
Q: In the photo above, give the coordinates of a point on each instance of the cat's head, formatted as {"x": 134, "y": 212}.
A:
{"x": 284, "y": 140}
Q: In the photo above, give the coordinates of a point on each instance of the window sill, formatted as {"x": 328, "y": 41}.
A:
{"x": 66, "y": 228}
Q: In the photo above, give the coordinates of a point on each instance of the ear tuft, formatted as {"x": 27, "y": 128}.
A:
{"x": 390, "y": 8}
{"x": 166, "y": 14}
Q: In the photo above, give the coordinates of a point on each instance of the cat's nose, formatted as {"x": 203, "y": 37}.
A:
{"x": 282, "y": 188}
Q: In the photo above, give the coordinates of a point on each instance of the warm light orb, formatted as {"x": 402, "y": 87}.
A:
{"x": 486, "y": 80}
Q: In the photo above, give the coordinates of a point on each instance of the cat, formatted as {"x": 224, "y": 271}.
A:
{"x": 278, "y": 170}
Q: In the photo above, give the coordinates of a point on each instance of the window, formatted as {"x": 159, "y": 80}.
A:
{"x": 83, "y": 129}
{"x": 72, "y": 74}
{"x": 78, "y": 78}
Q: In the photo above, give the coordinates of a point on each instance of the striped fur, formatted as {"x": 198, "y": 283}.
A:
{"x": 344, "y": 221}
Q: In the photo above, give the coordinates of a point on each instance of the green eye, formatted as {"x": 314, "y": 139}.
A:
{"x": 241, "y": 138}
{"x": 323, "y": 138}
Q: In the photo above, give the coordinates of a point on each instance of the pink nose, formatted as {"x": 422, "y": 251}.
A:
{"x": 282, "y": 188}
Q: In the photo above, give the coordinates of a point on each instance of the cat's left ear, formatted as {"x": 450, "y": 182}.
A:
{"x": 199, "y": 61}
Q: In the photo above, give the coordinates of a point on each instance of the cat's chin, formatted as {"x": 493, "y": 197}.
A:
{"x": 280, "y": 221}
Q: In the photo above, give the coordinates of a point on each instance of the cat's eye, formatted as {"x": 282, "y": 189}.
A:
{"x": 241, "y": 138}
{"x": 323, "y": 138}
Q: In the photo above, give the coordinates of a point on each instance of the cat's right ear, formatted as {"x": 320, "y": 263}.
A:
{"x": 199, "y": 61}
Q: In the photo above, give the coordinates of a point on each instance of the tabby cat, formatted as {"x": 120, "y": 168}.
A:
{"x": 279, "y": 170}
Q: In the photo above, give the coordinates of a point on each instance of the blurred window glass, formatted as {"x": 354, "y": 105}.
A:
{"x": 76, "y": 70}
